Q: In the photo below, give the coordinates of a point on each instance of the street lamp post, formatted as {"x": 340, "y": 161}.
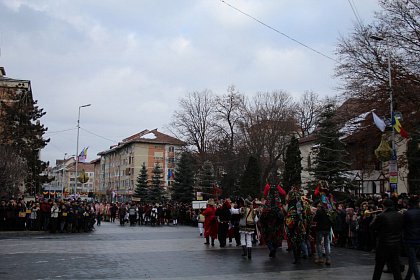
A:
{"x": 393, "y": 166}
{"x": 62, "y": 179}
{"x": 77, "y": 147}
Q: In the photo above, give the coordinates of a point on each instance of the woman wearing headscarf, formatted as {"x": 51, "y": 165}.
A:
{"x": 272, "y": 218}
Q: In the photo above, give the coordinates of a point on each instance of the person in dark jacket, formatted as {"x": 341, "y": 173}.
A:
{"x": 412, "y": 236}
{"x": 387, "y": 227}
{"x": 323, "y": 234}
{"x": 223, "y": 212}
{"x": 340, "y": 227}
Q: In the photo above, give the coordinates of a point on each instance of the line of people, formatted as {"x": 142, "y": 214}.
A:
{"x": 69, "y": 216}
{"x": 47, "y": 215}
{"x": 154, "y": 214}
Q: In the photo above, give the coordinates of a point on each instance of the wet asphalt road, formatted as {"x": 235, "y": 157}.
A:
{"x": 167, "y": 252}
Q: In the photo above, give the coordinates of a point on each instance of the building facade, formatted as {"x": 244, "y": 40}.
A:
{"x": 64, "y": 179}
{"x": 362, "y": 138}
{"x": 120, "y": 165}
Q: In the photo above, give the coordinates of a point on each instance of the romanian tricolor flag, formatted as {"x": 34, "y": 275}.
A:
{"x": 83, "y": 155}
{"x": 398, "y": 127}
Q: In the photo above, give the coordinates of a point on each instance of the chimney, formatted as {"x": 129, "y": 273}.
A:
{"x": 2, "y": 71}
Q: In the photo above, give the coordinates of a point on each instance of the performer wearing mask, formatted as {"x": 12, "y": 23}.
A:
{"x": 295, "y": 221}
{"x": 272, "y": 218}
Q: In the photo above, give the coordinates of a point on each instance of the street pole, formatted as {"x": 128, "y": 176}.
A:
{"x": 62, "y": 179}
{"x": 77, "y": 147}
{"x": 393, "y": 163}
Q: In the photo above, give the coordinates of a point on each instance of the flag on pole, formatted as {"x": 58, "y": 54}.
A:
{"x": 398, "y": 127}
{"x": 379, "y": 122}
{"x": 171, "y": 174}
{"x": 83, "y": 155}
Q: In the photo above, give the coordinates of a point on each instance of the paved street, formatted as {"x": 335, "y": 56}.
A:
{"x": 114, "y": 252}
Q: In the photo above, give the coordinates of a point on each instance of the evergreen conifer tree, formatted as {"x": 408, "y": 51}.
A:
{"x": 250, "y": 183}
{"x": 156, "y": 188}
{"x": 183, "y": 188}
{"x": 330, "y": 161}
{"x": 23, "y": 132}
{"x": 292, "y": 165}
{"x": 206, "y": 180}
{"x": 142, "y": 188}
{"x": 413, "y": 158}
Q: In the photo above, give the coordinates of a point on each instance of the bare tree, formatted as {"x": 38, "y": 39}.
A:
{"x": 307, "y": 112}
{"x": 194, "y": 122}
{"x": 228, "y": 161}
{"x": 228, "y": 114}
{"x": 267, "y": 126}
{"x": 401, "y": 21}
{"x": 364, "y": 62}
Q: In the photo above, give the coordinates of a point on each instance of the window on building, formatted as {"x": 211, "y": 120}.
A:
{"x": 171, "y": 149}
{"x": 158, "y": 156}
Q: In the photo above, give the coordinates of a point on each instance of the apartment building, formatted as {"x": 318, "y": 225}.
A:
{"x": 64, "y": 178}
{"x": 120, "y": 165}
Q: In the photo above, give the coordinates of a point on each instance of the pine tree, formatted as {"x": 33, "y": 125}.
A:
{"x": 23, "y": 132}
{"x": 12, "y": 171}
{"x": 250, "y": 182}
{"x": 292, "y": 165}
{"x": 413, "y": 158}
{"x": 142, "y": 188}
{"x": 183, "y": 188}
{"x": 206, "y": 179}
{"x": 330, "y": 161}
{"x": 156, "y": 188}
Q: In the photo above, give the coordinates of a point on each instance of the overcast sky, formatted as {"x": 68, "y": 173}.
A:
{"x": 133, "y": 60}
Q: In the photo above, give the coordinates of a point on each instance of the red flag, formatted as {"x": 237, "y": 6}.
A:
{"x": 403, "y": 133}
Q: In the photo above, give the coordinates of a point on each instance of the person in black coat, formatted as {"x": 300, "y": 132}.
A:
{"x": 323, "y": 233}
{"x": 223, "y": 212}
{"x": 412, "y": 236}
{"x": 387, "y": 227}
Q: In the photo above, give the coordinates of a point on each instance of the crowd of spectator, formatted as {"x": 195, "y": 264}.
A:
{"x": 73, "y": 216}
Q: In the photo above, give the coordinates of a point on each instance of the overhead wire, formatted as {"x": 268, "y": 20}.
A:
{"x": 100, "y": 136}
{"x": 356, "y": 14}
{"x": 279, "y": 32}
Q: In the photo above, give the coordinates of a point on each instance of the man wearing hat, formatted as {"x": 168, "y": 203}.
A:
{"x": 387, "y": 227}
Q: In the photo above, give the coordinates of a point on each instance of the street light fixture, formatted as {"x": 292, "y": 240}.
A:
{"x": 393, "y": 167}
{"x": 77, "y": 147}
